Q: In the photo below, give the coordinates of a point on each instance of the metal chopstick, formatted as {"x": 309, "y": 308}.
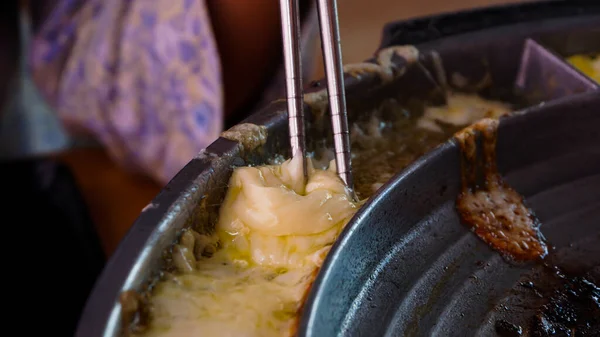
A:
{"x": 332, "y": 54}
{"x": 290, "y": 28}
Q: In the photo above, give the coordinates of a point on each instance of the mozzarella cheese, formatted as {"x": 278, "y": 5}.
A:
{"x": 273, "y": 233}
{"x": 461, "y": 110}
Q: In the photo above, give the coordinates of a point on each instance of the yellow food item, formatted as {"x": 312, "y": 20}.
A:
{"x": 461, "y": 110}
{"x": 273, "y": 233}
{"x": 251, "y": 276}
{"x": 589, "y": 65}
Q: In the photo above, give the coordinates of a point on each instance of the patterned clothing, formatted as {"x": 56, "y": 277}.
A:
{"x": 142, "y": 77}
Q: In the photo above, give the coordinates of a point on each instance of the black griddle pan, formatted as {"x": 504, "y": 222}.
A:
{"x": 405, "y": 266}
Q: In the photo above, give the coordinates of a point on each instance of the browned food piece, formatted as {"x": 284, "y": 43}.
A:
{"x": 500, "y": 219}
{"x": 495, "y": 212}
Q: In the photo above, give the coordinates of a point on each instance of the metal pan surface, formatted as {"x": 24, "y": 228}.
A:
{"x": 406, "y": 266}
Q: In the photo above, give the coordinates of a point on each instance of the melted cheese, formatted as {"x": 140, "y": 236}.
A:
{"x": 274, "y": 231}
{"x": 588, "y": 65}
{"x": 461, "y": 110}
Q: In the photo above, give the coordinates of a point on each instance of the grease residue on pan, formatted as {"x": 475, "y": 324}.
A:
{"x": 572, "y": 305}
{"x": 551, "y": 301}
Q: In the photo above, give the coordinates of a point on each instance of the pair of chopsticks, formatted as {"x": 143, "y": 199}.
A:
{"x": 332, "y": 55}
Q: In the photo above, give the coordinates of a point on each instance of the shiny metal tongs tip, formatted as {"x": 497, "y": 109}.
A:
{"x": 332, "y": 56}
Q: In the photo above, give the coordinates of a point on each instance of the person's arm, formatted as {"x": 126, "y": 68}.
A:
{"x": 249, "y": 42}
{"x": 248, "y": 35}
{"x": 143, "y": 79}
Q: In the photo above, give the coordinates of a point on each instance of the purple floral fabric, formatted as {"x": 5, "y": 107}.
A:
{"x": 143, "y": 77}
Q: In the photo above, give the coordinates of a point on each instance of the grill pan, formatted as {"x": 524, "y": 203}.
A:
{"x": 512, "y": 53}
{"x": 406, "y": 266}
